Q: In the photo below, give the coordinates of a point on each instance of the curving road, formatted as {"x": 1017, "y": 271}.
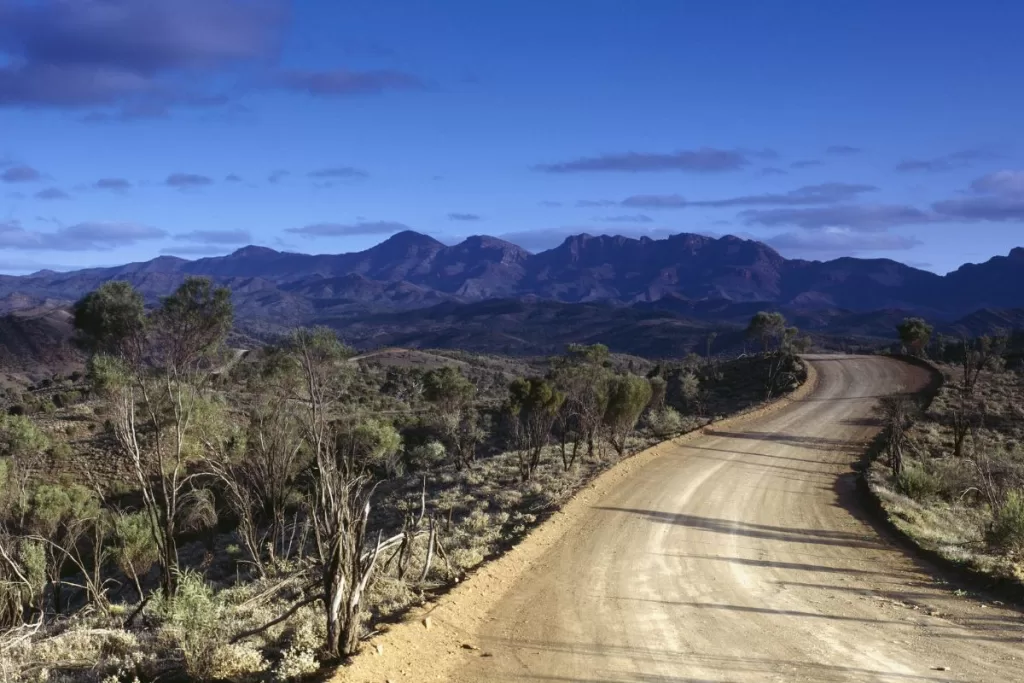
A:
{"x": 741, "y": 556}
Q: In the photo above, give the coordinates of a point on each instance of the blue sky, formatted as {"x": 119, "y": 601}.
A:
{"x": 131, "y": 129}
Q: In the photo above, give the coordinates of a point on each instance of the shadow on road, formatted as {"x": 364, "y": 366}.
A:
{"x": 771, "y": 533}
{"x": 817, "y": 443}
{"x": 605, "y": 656}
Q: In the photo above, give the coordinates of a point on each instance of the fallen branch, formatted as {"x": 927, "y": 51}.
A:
{"x": 274, "y": 622}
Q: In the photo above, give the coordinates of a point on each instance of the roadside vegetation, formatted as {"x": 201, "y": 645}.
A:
{"x": 183, "y": 510}
{"x": 951, "y": 473}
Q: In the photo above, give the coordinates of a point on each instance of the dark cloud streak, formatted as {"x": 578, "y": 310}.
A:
{"x": 948, "y": 162}
{"x": 345, "y": 83}
{"x": 702, "y": 160}
{"x": 86, "y": 236}
{"x": 186, "y": 180}
{"x": 115, "y": 184}
{"x": 20, "y": 174}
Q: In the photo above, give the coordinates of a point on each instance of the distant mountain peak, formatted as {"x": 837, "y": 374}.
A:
{"x": 411, "y": 238}
{"x": 254, "y": 250}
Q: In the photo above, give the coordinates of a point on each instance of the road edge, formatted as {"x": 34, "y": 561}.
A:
{"x": 432, "y": 640}
{"x": 1003, "y": 588}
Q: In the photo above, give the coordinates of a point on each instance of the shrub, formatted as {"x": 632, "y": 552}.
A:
{"x": 237, "y": 662}
{"x": 1007, "y": 529}
{"x": 427, "y": 456}
{"x": 64, "y": 399}
{"x": 192, "y": 622}
{"x": 665, "y": 422}
{"x": 296, "y": 663}
{"x": 61, "y": 451}
{"x": 915, "y": 482}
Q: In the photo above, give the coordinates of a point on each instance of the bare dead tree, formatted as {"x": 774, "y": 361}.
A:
{"x": 897, "y": 413}
{"x": 339, "y": 505}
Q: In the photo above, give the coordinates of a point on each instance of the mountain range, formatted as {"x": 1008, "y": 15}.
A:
{"x": 406, "y": 287}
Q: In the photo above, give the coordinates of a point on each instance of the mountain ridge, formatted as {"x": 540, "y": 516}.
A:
{"x": 410, "y": 270}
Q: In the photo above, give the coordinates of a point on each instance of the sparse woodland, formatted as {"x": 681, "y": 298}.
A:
{"x": 185, "y": 511}
{"x": 951, "y": 473}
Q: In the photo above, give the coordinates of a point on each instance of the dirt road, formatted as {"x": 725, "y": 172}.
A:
{"x": 741, "y": 556}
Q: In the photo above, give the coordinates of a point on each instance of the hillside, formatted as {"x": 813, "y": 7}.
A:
{"x": 642, "y": 296}
{"x": 410, "y": 270}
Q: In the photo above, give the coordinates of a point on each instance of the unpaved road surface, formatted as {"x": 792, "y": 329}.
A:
{"x": 741, "y": 556}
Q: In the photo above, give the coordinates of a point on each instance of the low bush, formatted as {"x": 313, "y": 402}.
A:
{"x": 917, "y": 483}
{"x": 1007, "y": 530}
{"x": 665, "y": 422}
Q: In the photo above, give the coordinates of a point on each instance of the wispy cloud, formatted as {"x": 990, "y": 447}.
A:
{"x": 702, "y": 160}
{"x": 998, "y": 197}
{"x": 823, "y": 193}
{"x": 348, "y": 229}
{"x": 195, "y": 250}
{"x": 806, "y": 163}
{"x": 855, "y": 217}
{"x": 78, "y": 237}
{"x": 840, "y": 241}
{"x": 948, "y": 162}
{"x": 215, "y": 236}
{"x": 129, "y": 56}
{"x": 655, "y": 201}
{"x": 20, "y": 174}
{"x": 463, "y": 217}
{"x": 114, "y": 184}
{"x": 277, "y": 176}
{"x": 630, "y": 218}
{"x": 346, "y": 83}
{"x": 52, "y": 193}
{"x": 187, "y": 180}
{"x": 842, "y": 150}
{"x": 338, "y": 172}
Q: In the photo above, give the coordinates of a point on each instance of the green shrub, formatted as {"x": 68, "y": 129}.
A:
{"x": 192, "y": 622}
{"x": 916, "y": 483}
{"x": 665, "y": 422}
{"x": 427, "y": 456}
{"x": 1007, "y": 529}
{"x": 61, "y": 452}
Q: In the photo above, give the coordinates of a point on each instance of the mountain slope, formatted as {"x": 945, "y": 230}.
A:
{"x": 723, "y": 277}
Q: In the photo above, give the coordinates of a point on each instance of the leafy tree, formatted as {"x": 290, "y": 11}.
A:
{"x": 260, "y": 468}
{"x": 914, "y": 335}
{"x": 768, "y": 329}
{"x": 628, "y": 395}
{"x": 532, "y": 406}
{"x": 455, "y": 418}
{"x": 156, "y": 369}
{"x": 979, "y": 355}
{"x": 778, "y": 343}
{"x": 582, "y": 376}
{"x": 659, "y": 388}
{"x": 111, "y": 321}
{"x": 370, "y": 442}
